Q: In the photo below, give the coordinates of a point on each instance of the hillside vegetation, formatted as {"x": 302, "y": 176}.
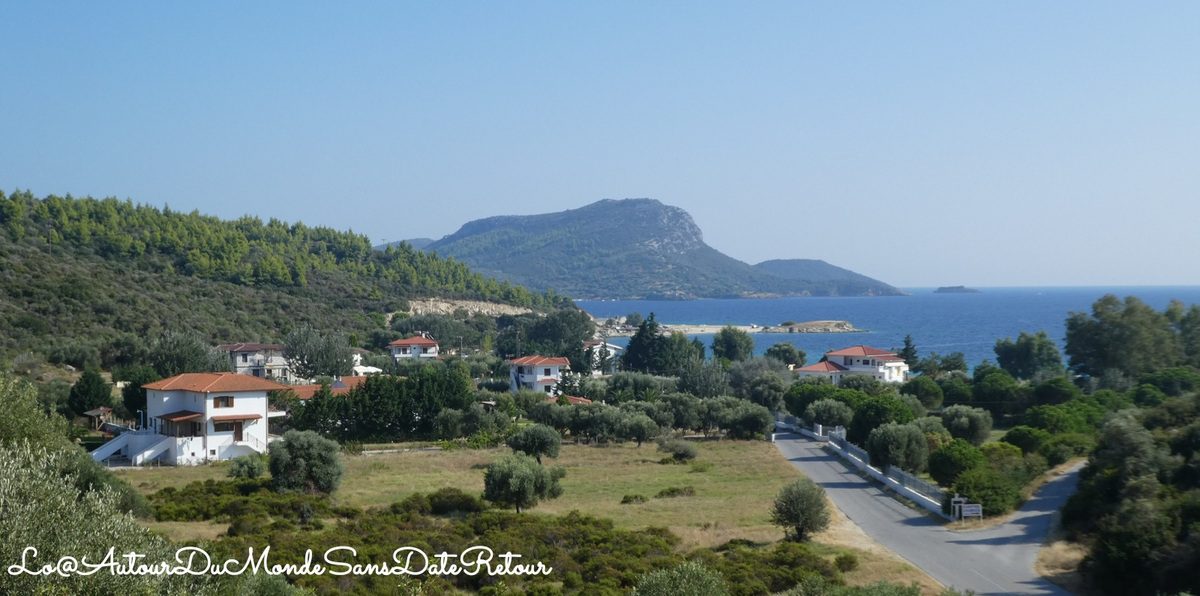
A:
{"x": 633, "y": 248}
{"x": 81, "y": 276}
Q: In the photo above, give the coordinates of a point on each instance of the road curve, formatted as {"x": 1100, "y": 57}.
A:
{"x": 997, "y": 560}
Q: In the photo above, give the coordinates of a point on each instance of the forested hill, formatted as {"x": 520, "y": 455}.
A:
{"x": 81, "y": 274}
{"x": 632, "y": 248}
{"x": 836, "y": 280}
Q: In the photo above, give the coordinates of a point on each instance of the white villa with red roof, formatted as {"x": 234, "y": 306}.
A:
{"x": 195, "y": 418}
{"x": 858, "y": 360}
{"x": 417, "y": 346}
{"x": 538, "y": 373}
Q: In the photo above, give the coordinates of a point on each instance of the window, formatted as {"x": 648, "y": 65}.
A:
{"x": 520, "y": 370}
{"x": 245, "y": 357}
{"x": 546, "y": 373}
{"x": 549, "y": 388}
{"x": 212, "y": 452}
{"x": 223, "y": 401}
{"x": 223, "y": 427}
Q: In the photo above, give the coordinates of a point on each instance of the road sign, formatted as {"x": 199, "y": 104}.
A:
{"x": 972, "y": 510}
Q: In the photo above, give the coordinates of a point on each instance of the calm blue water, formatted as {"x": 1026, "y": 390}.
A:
{"x": 967, "y": 323}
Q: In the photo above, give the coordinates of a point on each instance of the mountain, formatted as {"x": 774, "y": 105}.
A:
{"x": 632, "y": 248}
{"x": 836, "y": 280}
{"x": 86, "y": 280}
{"x": 417, "y": 243}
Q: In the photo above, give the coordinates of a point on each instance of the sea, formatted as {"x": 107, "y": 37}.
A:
{"x": 942, "y": 323}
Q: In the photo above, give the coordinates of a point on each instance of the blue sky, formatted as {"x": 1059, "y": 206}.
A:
{"x": 1015, "y": 143}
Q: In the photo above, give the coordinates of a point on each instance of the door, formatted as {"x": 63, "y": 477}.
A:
{"x": 237, "y": 432}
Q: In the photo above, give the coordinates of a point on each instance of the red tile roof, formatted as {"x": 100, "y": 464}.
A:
{"x": 822, "y": 367}
{"x": 571, "y": 399}
{"x": 860, "y": 350}
{"x": 540, "y": 361}
{"x": 416, "y": 340}
{"x": 340, "y": 387}
{"x": 213, "y": 383}
{"x": 547, "y": 381}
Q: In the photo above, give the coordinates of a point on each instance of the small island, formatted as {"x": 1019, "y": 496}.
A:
{"x": 956, "y": 290}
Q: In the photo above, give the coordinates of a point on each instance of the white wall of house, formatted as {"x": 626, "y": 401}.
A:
{"x": 534, "y": 377}
{"x": 888, "y": 371}
{"x": 213, "y": 444}
{"x": 399, "y": 352}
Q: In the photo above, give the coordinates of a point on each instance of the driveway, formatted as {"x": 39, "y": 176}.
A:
{"x": 997, "y": 560}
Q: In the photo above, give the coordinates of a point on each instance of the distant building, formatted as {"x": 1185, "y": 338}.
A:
{"x": 417, "y": 346}
{"x": 537, "y": 373}
{"x": 858, "y": 360}
{"x": 260, "y": 360}
{"x": 340, "y": 386}
{"x": 195, "y": 418}
{"x": 572, "y": 400}
{"x": 598, "y": 348}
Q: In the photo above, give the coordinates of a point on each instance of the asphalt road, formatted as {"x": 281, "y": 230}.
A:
{"x": 997, "y": 560}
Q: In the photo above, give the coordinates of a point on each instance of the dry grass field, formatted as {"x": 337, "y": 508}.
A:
{"x": 735, "y": 483}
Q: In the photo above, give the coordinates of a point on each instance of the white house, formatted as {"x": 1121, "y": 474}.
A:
{"x": 539, "y": 373}
{"x": 858, "y": 360}
{"x": 195, "y": 418}
{"x": 599, "y": 348}
{"x": 260, "y": 360}
{"x": 417, "y": 346}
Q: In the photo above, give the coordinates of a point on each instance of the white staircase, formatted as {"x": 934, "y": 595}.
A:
{"x": 111, "y": 448}
{"x": 152, "y": 452}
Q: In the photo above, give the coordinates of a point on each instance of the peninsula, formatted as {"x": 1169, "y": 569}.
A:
{"x": 623, "y": 330}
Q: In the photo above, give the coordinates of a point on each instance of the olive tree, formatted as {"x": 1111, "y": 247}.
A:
{"x": 520, "y": 481}
{"x": 829, "y": 412}
{"x": 965, "y": 422}
{"x": 901, "y": 445}
{"x": 800, "y": 509}
{"x": 305, "y": 461}
{"x": 536, "y": 440}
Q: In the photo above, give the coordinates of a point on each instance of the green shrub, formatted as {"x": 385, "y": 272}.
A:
{"x": 1029, "y": 439}
{"x": 680, "y": 450}
{"x": 997, "y": 493}
{"x": 633, "y": 499}
{"x": 846, "y": 562}
{"x": 452, "y": 500}
{"x": 689, "y": 577}
{"x": 1060, "y": 448}
{"x": 247, "y": 466}
{"x": 227, "y": 499}
{"x": 676, "y": 491}
{"x": 947, "y": 463}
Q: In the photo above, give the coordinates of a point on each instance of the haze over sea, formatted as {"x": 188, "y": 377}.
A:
{"x": 943, "y": 323}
